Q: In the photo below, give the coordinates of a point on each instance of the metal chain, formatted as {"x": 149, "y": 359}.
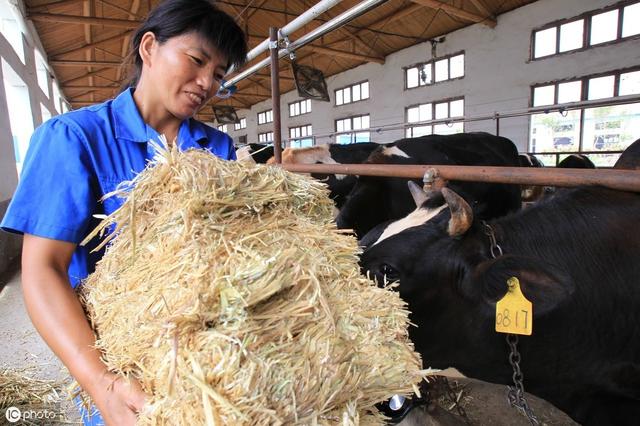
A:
{"x": 454, "y": 399}
{"x": 495, "y": 249}
{"x": 516, "y": 396}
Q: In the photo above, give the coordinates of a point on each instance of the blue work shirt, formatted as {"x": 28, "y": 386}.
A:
{"x": 76, "y": 158}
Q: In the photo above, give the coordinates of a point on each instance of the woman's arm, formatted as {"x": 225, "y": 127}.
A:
{"x": 59, "y": 318}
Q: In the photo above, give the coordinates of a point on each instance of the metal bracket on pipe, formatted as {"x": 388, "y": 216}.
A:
{"x": 287, "y": 43}
{"x": 432, "y": 182}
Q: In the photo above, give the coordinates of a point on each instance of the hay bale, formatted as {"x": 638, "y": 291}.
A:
{"x": 231, "y": 296}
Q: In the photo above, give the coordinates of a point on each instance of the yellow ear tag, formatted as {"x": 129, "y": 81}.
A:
{"x": 514, "y": 313}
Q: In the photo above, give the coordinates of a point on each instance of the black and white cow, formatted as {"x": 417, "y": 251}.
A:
{"x": 576, "y": 257}
{"x": 255, "y": 153}
{"x": 339, "y": 185}
{"x": 630, "y": 158}
{"x": 375, "y": 200}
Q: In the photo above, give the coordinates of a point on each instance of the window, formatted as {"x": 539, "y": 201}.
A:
{"x": 591, "y": 29}
{"x": 300, "y": 107}
{"x": 242, "y": 140}
{"x": 42, "y": 73}
{"x": 10, "y": 29}
{"x": 223, "y": 128}
{"x": 354, "y": 93}
{"x": 438, "y": 70}
{"x": 44, "y": 111}
{"x": 300, "y": 137}
{"x": 434, "y": 110}
{"x": 56, "y": 99}
{"x": 601, "y": 132}
{"x": 20, "y": 114}
{"x": 265, "y": 137}
{"x": 265, "y": 117}
{"x": 350, "y": 129}
{"x": 242, "y": 124}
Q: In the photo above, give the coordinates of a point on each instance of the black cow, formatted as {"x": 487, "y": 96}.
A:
{"x": 339, "y": 185}
{"x": 576, "y": 256}
{"x": 576, "y": 161}
{"x": 375, "y": 200}
{"x": 255, "y": 153}
{"x": 630, "y": 158}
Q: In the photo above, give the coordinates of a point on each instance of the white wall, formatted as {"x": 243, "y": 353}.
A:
{"x": 498, "y": 76}
{"x": 9, "y": 244}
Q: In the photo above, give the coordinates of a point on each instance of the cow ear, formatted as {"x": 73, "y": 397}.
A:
{"x": 543, "y": 284}
{"x": 461, "y": 213}
{"x": 418, "y": 194}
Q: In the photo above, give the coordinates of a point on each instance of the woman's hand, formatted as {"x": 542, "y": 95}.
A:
{"x": 118, "y": 399}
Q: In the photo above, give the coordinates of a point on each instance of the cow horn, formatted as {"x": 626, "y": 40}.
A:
{"x": 418, "y": 194}
{"x": 461, "y": 214}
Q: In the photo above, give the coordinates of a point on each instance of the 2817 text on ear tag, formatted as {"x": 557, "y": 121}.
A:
{"x": 514, "y": 313}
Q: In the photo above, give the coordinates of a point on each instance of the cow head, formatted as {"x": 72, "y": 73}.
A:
{"x": 441, "y": 255}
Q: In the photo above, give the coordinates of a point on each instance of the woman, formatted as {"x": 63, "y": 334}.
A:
{"x": 181, "y": 53}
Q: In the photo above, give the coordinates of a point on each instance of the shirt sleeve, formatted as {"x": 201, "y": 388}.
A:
{"x": 57, "y": 192}
{"x": 232, "y": 149}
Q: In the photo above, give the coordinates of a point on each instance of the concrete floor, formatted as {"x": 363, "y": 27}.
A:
{"x": 22, "y": 347}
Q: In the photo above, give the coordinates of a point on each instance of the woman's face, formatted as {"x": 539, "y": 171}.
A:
{"x": 184, "y": 72}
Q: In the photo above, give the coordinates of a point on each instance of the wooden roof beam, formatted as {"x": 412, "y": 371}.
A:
{"x": 80, "y": 77}
{"x": 334, "y": 52}
{"x": 56, "y": 55}
{"x": 90, "y": 87}
{"x": 63, "y": 63}
{"x": 54, "y": 4}
{"x": 457, "y": 12}
{"x": 482, "y": 8}
{"x": 83, "y": 20}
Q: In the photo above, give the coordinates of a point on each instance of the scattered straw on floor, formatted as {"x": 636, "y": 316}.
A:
{"x": 230, "y": 295}
{"x": 39, "y": 399}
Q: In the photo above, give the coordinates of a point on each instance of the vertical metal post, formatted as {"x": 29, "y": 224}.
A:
{"x": 275, "y": 93}
{"x": 497, "y": 124}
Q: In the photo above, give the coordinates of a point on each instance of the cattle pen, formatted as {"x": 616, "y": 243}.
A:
{"x": 355, "y": 94}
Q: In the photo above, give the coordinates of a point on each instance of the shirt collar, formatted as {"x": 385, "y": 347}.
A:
{"x": 129, "y": 125}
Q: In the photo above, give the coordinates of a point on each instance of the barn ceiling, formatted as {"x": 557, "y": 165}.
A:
{"x": 86, "y": 40}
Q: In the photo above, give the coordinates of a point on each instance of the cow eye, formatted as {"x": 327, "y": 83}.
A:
{"x": 389, "y": 271}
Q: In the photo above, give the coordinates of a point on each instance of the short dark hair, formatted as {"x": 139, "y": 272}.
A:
{"x": 172, "y": 18}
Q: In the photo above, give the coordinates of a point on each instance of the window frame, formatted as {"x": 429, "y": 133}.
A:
{"x": 352, "y": 132}
{"x": 242, "y": 124}
{"x": 299, "y": 103}
{"x": 266, "y": 139}
{"x": 432, "y": 64}
{"x": 350, "y": 87}
{"x": 410, "y": 126}
{"x": 584, "y": 94}
{"x": 586, "y": 32}
{"x": 309, "y": 135}
{"x": 266, "y": 115}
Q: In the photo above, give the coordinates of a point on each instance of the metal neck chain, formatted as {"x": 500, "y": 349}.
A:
{"x": 494, "y": 248}
{"x": 515, "y": 396}
{"x": 516, "y": 393}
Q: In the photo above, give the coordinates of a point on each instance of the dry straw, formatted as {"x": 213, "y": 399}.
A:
{"x": 231, "y": 296}
{"x": 19, "y": 388}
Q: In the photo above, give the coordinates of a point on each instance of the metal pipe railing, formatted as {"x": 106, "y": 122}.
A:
{"x": 275, "y": 94}
{"x": 625, "y": 180}
{"x": 323, "y": 29}
{"x": 309, "y": 15}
